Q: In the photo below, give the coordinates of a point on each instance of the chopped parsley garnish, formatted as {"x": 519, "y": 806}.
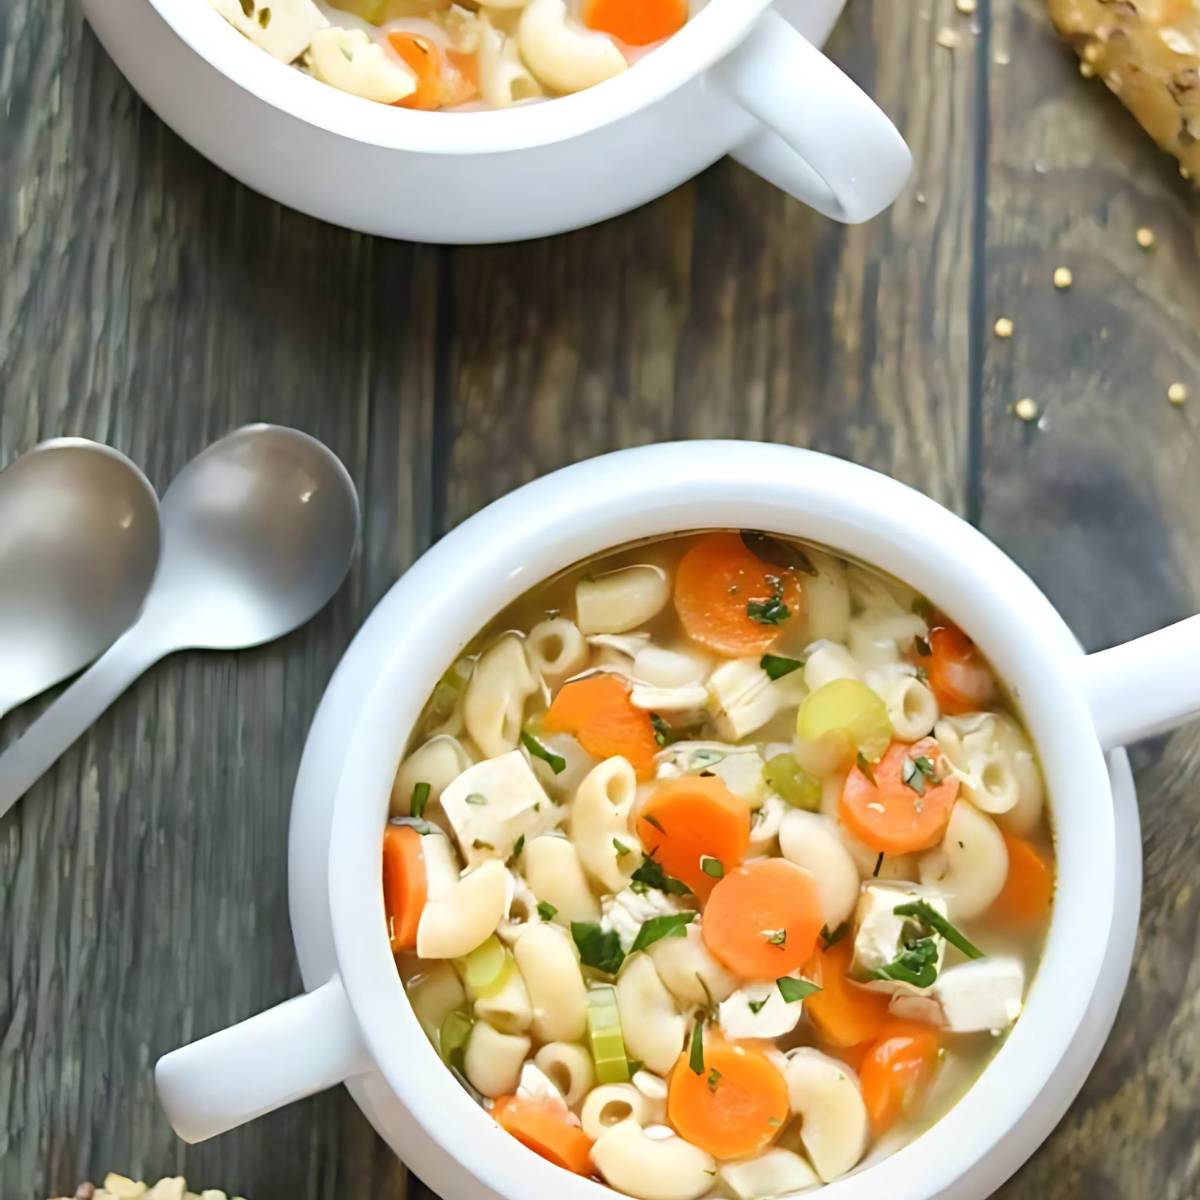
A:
{"x": 546, "y": 910}
{"x": 653, "y": 821}
{"x": 775, "y": 937}
{"x": 831, "y": 939}
{"x": 714, "y": 1077}
{"x": 476, "y": 799}
{"x": 929, "y": 916}
{"x": 620, "y": 847}
{"x": 480, "y": 844}
{"x": 756, "y": 1006}
{"x": 599, "y": 948}
{"x": 664, "y": 732}
{"x": 769, "y": 612}
{"x": 865, "y": 767}
{"x": 914, "y": 772}
{"x": 555, "y": 762}
{"x": 878, "y": 866}
{"x": 518, "y": 846}
{"x": 711, "y": 866}
{"x": 795, "y": 989}
{"x": 652, "y": 875}
{"x": 672, "y": 925}
{"x": 420, "y": 798}
{"x": 915, "y": 964}
{"x": 776, "y": 666}
{"x": 696, "y": 1053}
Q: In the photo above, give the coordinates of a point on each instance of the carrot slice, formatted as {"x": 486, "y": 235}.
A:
{"x": 762, "y": 920}
{"x": 1029, "y": 888}
{"x": 844, "y": 1014}
{"x": 423, "y": 56}
{"x": 598, "y": 711}
{"x": 636, "y": 22}
{"x": 958, "y": 676}
{"x": 718, "y": 585}
{"x": 901, "y": 806}
{"x": 695, "y": 823}
{"x": 405, "y": 887}
{"x": 734, "y": 1107}
{"x": 546, "y": 1130}
{"x": 895, "y": 1069}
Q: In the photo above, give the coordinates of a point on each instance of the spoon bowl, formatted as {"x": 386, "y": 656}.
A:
{"x": 79, "y": 544}
{"x": 258, "y": 533}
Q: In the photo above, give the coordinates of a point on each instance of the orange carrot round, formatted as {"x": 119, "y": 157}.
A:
{"x": 731, "y": 601}
{"x": 636, "y": 22}
{"x": 405, "y": 886}
{"x": 1029, "y": 888}
{"x": 598, "y": 711}
{"x": 696, "y": 829}
{"x": 904, "y": 803}
{"x": 958, "y": 676}
{"x": 895, "y": 1069}
{"x": 734, "y": 1107}
{"x": 762, "y": 920}
{"x": 843, "y": 1013}
{"x": 546, "y": 1130}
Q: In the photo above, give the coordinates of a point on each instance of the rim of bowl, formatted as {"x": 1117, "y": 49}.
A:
{"x": 707, "y": 36}
{"x": 672, "y": 488}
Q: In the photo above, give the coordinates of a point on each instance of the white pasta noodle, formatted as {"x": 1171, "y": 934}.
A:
{"x": 350, "y": 61}
{"x": 652, "y": 1026}
{"x": 871, "y": 592}
{"x": 825, "y": 1094}
{"x": 774, "y": 1172}
{"x": 610, "y": 1104}
{"x": 510, "y": 1009}
{"x": 286, "y": 31}
{"x": 970, "y": 866}
{"x": 878, "y": 638}
{"x": 441, "y": 865}
{"x": 690, "y": 698}
{"x": 550, "y": 968}
{"x": 826, "y": 661}
{"x": 912, "y": 707}
{"x": 620, "y": 600}
{"x": 811, "y": 841}
{"x": 435, "y": 993}
{"x": 554, "y": 872}
{"x": 494, "y": 705}
{"x": 492, "y": 1061}
{"x": 657, "y": 667}
{"x": 599, "y": 814}
{"x": 689, "y": 970}
{"x": 569, "y": 1067}
{"x": 652, "y": 1168}
{"x": 438, "y": 763}
{"x": 557, "y": 649}
{"x": 995, "y": 763}
{"x": 466, "y": 915}
{"x": 765, "y": 824}
{"x": 828, "y": 599}
{"x": 503, "y": 78}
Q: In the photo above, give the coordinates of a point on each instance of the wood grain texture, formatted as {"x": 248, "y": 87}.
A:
{"x": 149, "y": 301}
{"x": 1100, "y": 501}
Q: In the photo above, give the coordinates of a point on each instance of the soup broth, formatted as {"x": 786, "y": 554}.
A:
{"x": 436, "y": 54}
{"x": 716, "y": 864}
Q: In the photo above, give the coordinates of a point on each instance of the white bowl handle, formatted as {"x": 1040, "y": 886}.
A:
{"x": 823, "y": 139}
{"x": 299, "y": 1047}
{"x": 1146, "y": 686}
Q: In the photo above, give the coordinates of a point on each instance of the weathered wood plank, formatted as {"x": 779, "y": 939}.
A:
{"x": 150, "y": 302}
{"x": 1101, "y": 503}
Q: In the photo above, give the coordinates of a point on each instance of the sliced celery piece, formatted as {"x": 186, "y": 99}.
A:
{"x": 790, "y": 780}
{"x": 452, "y": 1037}
{"x": 486, "y": 969}
{"x": 604, "y": 1035}
{"x": 849, "y": 708}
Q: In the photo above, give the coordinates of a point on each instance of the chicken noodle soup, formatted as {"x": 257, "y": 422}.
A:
{"x": 716, "y": 863}
{"x": 433, "y": 54}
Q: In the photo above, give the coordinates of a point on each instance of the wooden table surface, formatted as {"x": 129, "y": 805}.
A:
{"x": 149, "y": 301}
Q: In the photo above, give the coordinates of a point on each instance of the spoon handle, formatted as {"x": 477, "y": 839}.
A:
{"x": 39, "y": 747}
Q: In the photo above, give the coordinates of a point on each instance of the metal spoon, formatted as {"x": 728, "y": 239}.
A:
{"x": 258, "y": 534}
{"x": 79, "y": 541}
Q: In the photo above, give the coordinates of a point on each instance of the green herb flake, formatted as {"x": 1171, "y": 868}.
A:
{"x": 832, "y": 938}
{"x": 912, "y": 777}
{"x": 651, "y": 874}
{"x": 926, "y": 767}
{"x": 420, "y": 799}
{"x": 916, "y": 964}
{"x": 555, "y": 762}
{"x": 518, "y": 847}
{"x": 264, "y": 17}
{"x": 795, "y": 989}
{"x": 929, "y": 916}
{"x": 756, "y": 1006}
{"x": 476, "y": 799}
{"x": 776, "y": 666}
{"x": 775, "y": 937}
{"x": 620, "y": 847}
{"x": 599, "y": 948}
{"x": 654, "y": 822}
{"x": 248, "y": 7}
{"x": 768, "y": 612}
{"x": 878, "y": 866}
{"x": 672, "y": 925}
{"x": 696, "y": 1053}
{"x": 546, "y": 910}
{"x": 480, "y": 844}
{"x": 664, "y": 732}
{"x": 865, "y": 767}
{"x": 711, "y": 866}
{"x": 714, "y": 1077}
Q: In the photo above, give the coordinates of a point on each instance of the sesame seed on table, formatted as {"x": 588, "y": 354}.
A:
{"x": 150, "y": 301}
